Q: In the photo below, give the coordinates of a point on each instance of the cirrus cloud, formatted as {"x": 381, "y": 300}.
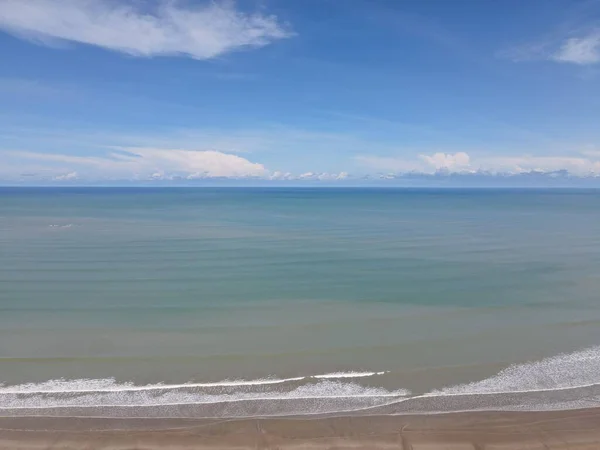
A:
{"x": 200, "y": 32}
{"x": 577, "y": 47}
{"x": 581, "y": 50}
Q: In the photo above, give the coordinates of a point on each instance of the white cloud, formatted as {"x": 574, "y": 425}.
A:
{"x": 200, "y": 32}
{"x": 278, "y": 175}
{"x": 321, "y": 176}
{"x": 326, "y": 176}
{"x": 584, "y": 50}
{"x": 519, "y": 164}
{"x": 150, "y": 163}
{"x": 456, "y": 161}
{"x": 461, "y": 162}
{"x": 208, "y": 163}
{"x": 50, "y": 152}
{"x": 139, "y": 164}
{"x": 144, "y": 164}
{"x": 309, "y": 176}
{"x": 71, "y": 176}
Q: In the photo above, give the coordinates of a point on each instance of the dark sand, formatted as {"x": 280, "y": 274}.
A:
{"x": 475, "y": 431}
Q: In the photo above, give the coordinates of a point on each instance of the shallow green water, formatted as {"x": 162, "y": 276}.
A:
{"x": 178, "y": 285}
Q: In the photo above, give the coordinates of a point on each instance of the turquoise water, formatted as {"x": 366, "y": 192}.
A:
{"x": 389, "y": 293}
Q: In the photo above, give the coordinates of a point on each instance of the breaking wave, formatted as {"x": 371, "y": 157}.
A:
{"x": 566, "y": 381}
{"x": 318, "y": 394}
{"x": 564, "y": 371}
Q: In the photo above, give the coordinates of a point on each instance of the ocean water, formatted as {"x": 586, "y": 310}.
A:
{"x": 215, "y": 302}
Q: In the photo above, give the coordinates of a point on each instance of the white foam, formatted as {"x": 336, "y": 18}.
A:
{"x": 348, "y": 375}
{"x": 564, "y": 371}
{"x": 321, "y": 390}
{"x": 560, "y": 382}
{"x": 111, "y": 385}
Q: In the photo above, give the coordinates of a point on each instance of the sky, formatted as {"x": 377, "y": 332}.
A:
{"x": 332, "y": 91}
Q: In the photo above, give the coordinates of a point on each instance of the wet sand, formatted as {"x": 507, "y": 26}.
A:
{"x": 578, "y": 429}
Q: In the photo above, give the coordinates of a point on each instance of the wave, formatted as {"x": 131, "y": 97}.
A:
{"x": 566, "y": 370}
{"x": 111, "y": 385}
{"x": 299, "y": 395}
{"x": 190, "y": 395}
{"x": 565, "y": 381}
{"x": 348, "y": 374}
{"x": 316, "y": 394}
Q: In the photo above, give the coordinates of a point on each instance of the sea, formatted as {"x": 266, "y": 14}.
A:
{"x": 256, "y": 302}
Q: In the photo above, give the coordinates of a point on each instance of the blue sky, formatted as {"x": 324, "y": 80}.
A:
{"x": 330, "y": 90}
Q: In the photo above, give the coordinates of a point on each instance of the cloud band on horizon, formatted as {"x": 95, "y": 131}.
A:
{"x": 133, "y": 164}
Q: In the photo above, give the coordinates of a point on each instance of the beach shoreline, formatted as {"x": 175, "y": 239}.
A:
{"x": 569, "y": 429}
{"x": 343, "y": 318}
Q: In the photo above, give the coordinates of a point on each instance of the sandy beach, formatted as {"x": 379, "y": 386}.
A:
{"x": 578, "y": 429}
